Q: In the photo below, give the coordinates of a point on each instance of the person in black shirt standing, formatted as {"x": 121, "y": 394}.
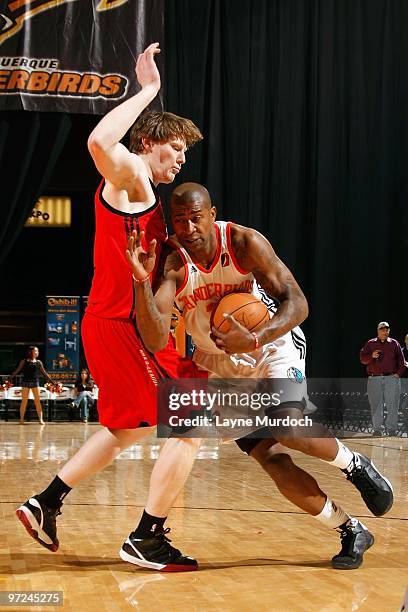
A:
{"x": 32, "y": 369}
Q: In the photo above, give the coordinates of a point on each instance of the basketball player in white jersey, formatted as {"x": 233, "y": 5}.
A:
{"x": 216, "y": 259}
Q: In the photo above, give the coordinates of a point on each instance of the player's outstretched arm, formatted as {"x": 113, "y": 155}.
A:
{"x": 255, "y": 254}
{"x": 44, "y": 372}
{"x": 153, "y": 312}
{"x": 112, "y": 159}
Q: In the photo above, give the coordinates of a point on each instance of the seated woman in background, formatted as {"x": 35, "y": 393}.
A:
{"x": 83, "y": 396}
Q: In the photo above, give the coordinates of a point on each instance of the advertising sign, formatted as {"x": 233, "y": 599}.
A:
{"x": 62, "y": 337}
{"x": 51, "y": 211}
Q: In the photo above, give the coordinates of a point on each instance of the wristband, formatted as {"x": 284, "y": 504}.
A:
{"x": 143, "y": 280}
{"x": 256, "y": 339}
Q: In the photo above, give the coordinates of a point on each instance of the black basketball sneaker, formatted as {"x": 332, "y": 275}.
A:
{"x": 375, "y": 490}
{"x": 156, "y": 553}
{"x": 355, "y": 540}
{"x": 40, "y": 522}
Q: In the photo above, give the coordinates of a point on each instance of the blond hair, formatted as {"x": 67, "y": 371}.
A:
{"x": 162, "y": 127}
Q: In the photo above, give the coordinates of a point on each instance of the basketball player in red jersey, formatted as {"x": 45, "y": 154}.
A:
{"x": 124, "y": 371}
{"x": 214, "y": 258}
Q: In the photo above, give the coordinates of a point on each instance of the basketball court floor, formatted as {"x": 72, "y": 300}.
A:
{"x": 257, "y": 552}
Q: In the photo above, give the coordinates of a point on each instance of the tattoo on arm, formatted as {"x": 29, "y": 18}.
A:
{"x": 153, "y": 312}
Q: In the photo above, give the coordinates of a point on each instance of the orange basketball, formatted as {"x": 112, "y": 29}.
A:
{"x": 246, "y": 308}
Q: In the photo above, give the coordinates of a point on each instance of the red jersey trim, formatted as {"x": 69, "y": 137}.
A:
{"x": 129, "y": 227}
{"x": 217, "y": 254}
{"x": 184, "y": 283}
{"x": 126, "y": 214}
{"x": 231, "y": 251}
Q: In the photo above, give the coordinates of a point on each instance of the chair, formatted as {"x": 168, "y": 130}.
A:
{"x": 61, "y": 405}
{"x": 13, "y": 402}
{"x": 14, "y": 399}
{"x": 3, "y": 403}
{"x": 94, "y": 412}
{"x": 403, "y": 408}
{"x": 93, "y": 415}
{"x": 45, "y": 396}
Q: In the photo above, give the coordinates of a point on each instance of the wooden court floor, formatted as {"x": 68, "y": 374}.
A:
{"x": 257, "y": 552}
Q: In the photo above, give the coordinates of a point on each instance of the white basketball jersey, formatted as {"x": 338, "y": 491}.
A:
{"x": 203, "y": 288}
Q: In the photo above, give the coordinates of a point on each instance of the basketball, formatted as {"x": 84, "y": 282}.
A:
{"x": 246, "y": 308}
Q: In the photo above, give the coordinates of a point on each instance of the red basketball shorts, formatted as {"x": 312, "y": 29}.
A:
{"x": 126, "y": 374}
{"x": 123, "y": 370}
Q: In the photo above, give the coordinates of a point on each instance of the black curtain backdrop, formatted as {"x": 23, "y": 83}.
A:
{"x": 30, "y": 145}
{"x": 303, "y": 105}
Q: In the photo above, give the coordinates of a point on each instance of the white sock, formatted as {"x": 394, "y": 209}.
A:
{"x": 332, "y": 516}
{"x": 343, "y": 458}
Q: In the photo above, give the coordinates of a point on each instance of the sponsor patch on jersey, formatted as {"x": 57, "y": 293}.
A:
{"x": 193, "y": 269}
{"x": 295, "y": 375}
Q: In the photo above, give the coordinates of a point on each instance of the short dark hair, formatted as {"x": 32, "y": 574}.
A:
{"x": 162, "y": 127}
{"x": 185, "y": 193}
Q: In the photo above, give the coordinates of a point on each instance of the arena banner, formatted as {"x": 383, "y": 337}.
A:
{"x": 62, "y": 337}
{"x": 74, "y": 56}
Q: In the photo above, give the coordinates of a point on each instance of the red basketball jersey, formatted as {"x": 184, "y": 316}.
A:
{"x": 112, "y": 293}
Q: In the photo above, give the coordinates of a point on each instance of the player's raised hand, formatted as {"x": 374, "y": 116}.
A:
{"x": 140, "y": 261}
{"x": 146, "y": 70}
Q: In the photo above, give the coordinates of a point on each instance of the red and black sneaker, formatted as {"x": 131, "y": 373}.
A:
{"x": 40, "y": 522}
{"x": 156, "y": 553}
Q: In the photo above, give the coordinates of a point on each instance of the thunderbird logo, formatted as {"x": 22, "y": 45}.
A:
{"x": 18, "y": 11}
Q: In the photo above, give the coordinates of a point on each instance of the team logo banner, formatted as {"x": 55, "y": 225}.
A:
{"x": 62, "y": 337}
{"x": 73, "y": 55}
